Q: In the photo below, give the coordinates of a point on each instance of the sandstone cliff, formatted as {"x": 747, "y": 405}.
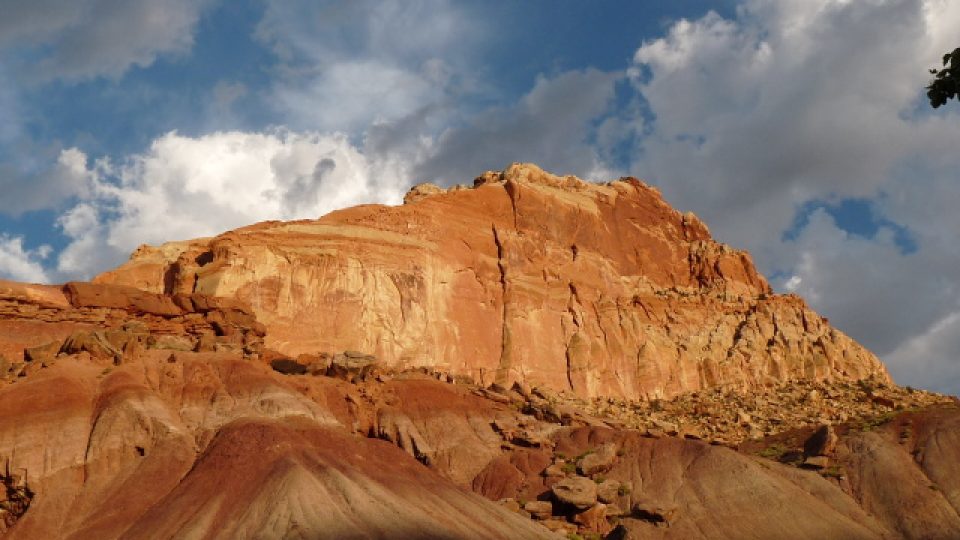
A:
{"x": 599, "y": 289}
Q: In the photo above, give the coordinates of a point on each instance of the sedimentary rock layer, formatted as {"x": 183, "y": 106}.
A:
{"x": 602, "y": 289}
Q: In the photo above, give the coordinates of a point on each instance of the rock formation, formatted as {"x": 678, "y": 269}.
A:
{"x": 527, "y": 276}
{"x": 533, "y": 356}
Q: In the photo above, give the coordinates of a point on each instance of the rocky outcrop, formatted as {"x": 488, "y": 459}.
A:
{"x": 39, "y": 323}
{"x": 601, "y": 289}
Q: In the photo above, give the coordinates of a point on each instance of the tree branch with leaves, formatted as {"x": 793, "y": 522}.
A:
{"x": 946, "y": 82}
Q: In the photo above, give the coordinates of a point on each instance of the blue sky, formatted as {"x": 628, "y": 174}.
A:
{"x": 796, "y": 128}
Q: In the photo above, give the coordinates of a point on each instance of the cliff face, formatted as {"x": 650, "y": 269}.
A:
{"x": 527, "y": 276}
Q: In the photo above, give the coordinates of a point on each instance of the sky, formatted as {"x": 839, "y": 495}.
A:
{"x": 797, "y": 129}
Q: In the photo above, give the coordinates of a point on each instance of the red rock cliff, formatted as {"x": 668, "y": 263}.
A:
{"x": 599, "y": 288}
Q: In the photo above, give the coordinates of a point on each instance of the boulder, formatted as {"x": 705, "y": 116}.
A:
{"x": 653, "y": 511}
{"x": 576, "y": 491}
{"x": 539, "y": 509}
{"x": 594, "y": 519}
{"x": 352, "y": 366}
{"x": 42, "y": 353}
{"x": 598, "y": 461}
{"x": 822, "y": 442}
{"x": 608, "y": 491}
{"x": 94, "y": 343}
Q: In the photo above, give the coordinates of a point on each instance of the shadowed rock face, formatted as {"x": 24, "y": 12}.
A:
{"x": 527, "y": 276}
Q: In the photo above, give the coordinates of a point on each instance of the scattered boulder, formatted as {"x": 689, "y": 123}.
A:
{"x": 598, "y": 461}
{"x": 42, "y": 354}
{"x": 822, "y": 442}
{"x": 653, "y": 512}
{"x": 95, "y": 343}
{"x": 554, "y": 470}
{"x": 608, "y": 491}
{"x": 593, "y": 519}
{"x": 576, "y": 491}
{"x": 539, "y": 509}
{"x": 317, "y": 364}
{"x": 352, "y": 366}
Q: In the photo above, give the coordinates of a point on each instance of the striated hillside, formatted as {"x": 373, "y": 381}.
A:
{"x": 604, "y": 290}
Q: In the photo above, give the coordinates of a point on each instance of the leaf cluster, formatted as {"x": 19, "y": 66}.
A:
{"x": 946, "y": 82}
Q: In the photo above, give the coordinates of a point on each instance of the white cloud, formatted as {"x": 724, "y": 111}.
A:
{"x": 802, "y": 100}
{"x": 31, "y": 182}
{"x": 929, "y": 360}
{"x": 353, "y": 95}
{"x": 351, "y": 65}
{"x": 20, "y": 264}
{"x": 551, "y": 125}
{"x": 185, "y": 187}
{"x": 88, "y": 38}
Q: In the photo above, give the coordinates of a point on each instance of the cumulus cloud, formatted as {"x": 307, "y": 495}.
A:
{"x": 751, "y": 120}
{"x": 88, "y": 38}
{"x": 41, "y": 177}
{"x": 185, "y": 187}
{"x": 929, "y": 360}
{"x": 351, "y": 65}
{"x": 21, "y": 264}
{"x": 551, "y": 125}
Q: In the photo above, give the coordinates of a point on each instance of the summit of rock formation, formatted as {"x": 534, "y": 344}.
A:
{"x": 598, "y": 289}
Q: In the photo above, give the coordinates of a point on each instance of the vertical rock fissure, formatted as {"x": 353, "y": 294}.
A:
{"x": 506, "y": 354}
{"x": 572, "y": 301}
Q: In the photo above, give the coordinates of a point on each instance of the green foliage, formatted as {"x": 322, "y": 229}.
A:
{"x": 585, "y": 454}
{"x": 623, "y": 490}
{"x": 832, "y": 471}
{"x": 569, "y": 467}
{"x": 946, "y": 82}
{"x": 774, "y": 451}
{"x": 877, "y": 421}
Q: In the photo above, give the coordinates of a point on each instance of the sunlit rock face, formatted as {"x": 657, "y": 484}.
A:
{"x": 601, "y": 289}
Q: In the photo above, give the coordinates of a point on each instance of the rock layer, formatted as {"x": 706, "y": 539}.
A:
{"x": 602, "y": 289}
